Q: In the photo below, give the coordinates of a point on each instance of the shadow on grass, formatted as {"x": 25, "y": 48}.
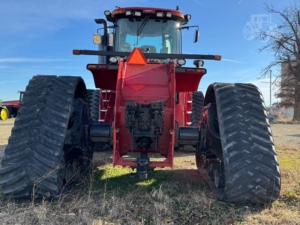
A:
{"x": 118, "y": 180}
{"x": 106, "y": 156}
{"x": 294, "y": 135}
{"x": 167, "y": 197}
{"x": 184, "y": 192}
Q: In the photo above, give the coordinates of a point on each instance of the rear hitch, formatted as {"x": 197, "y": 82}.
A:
{"x": 143, "y": 170}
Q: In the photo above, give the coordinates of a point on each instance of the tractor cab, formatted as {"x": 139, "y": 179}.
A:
{"x": 153, "y": 30}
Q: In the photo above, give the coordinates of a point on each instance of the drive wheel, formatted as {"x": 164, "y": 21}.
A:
{"x": 50, "y": 136}
{"x": 201, "y": 161}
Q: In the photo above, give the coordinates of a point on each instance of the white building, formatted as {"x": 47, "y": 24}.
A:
{"x": 286, "y": 112}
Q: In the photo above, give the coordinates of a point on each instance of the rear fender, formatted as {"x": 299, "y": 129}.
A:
{"x": 209, "y": 129}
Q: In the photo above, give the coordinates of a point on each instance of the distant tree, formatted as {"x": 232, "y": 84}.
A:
{"x": 284, "y": 42}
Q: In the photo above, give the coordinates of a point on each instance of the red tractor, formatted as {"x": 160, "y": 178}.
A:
{"x": 13, "y": 105}
{"x": 149, "y": 103}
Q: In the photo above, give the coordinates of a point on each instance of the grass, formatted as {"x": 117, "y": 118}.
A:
{"x": 284, "y": 120}
{"x": 178, "y": 196}
{"x": 111, "y": 178}
{"x": 281, "y": 119}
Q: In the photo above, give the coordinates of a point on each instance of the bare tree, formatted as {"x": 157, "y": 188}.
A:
{"x": 284, "y": 42}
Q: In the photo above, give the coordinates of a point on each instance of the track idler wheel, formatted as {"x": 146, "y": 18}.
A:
{"x": 218, "y": 175}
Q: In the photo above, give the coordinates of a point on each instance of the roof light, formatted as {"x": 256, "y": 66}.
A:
{"x": 188, "y": 16}
{"x": 128, "y": 13}
{"x": 76, "y": 52}
{"x": 202, "y": 70}
{"x": 113, "y": 59}
{"x": 190, "y": 70}
{"x": 107, "y": 12}
{"x": 169, "y": 14}
{"x": 148, "y": 11}
{"x": 181, "y": 62}
{"x": 198, "y": 63}
{"x": 117, "y": 11}
{"x": 217, "y": 57}
{"x": 137, "y": 13}
{"x": 96, "y": 66}
{"x": 159, "y": 14}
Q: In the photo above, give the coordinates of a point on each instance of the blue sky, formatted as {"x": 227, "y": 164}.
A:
{"x": 37, "y": 37}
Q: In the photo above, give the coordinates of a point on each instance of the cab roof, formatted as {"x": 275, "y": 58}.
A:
{"x": 153, "y": 13}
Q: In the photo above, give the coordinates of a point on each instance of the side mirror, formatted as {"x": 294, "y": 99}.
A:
{"x": 97, "y": 39}
{"x": 196, "y": 37}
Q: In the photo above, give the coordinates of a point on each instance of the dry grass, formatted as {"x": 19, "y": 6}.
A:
{"x": 282, "y": 119}
{"x": 178, "y": 196}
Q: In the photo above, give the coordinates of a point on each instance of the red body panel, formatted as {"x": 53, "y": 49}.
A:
{"x": 183, "y": 109}
{"x": 187, "y": 82}
{"x": 145, "y": 84}
{"x": 105, "y": 78}
{"x": 12, "y": 104}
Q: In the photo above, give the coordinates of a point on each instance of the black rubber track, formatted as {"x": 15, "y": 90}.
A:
{"x": 250, "y": 162}
{"x": 197, "y": 104}
{"x": 93, "y": 99}
{"x": 34, "y": 162}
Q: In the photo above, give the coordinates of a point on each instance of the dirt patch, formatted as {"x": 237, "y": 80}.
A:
{"x": 286, "y": 134}
{"x": 5, "y": 130}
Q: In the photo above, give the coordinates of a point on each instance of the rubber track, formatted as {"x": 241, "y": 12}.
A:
{"x": 93, "y": 99}
{"x": 250, "y": 162}
{"x": 34, "y": 158}
{"x": 197, "y": 103}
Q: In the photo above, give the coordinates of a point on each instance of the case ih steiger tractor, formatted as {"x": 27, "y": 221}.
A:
{"x": 149, "y": 103}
